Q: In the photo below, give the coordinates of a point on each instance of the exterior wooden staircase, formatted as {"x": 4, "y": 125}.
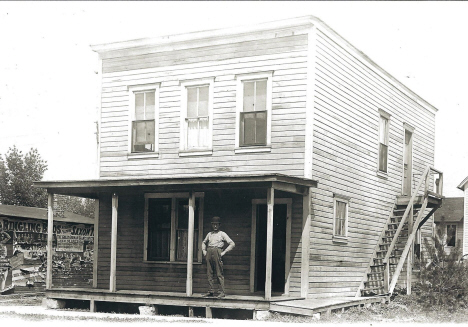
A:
{"x": 397, "y": 238}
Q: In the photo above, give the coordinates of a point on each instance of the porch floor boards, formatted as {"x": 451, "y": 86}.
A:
{"x": 278, "y": 303}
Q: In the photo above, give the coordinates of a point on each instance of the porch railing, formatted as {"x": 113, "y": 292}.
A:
{"x": 423, "y": 186}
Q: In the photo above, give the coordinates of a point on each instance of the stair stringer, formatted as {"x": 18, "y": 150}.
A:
{"x": 376, "y": 248}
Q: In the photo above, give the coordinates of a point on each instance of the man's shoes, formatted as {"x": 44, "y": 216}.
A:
{"x": 221, "y": 295}
{"x": 209, "y": 294}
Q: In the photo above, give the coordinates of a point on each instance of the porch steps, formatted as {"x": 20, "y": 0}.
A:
{"x": 374, "y": 285}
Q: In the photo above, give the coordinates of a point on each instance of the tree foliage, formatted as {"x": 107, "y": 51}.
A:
{"x": 79, "y": 206}
{"x": 18, "y": 171}
{"x": 444, "y": 276}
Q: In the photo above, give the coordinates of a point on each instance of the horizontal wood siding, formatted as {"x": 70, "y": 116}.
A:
{"x": 234, "y": 208}
{"x": 348, "y": 96}
{"x": 285, "y": 56}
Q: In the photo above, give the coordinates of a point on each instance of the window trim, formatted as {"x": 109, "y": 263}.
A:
{"x": 183, "y": 150}
{"x": 385, "y": 115}
{"x": 240, "y": 79}
{"x": 346, "y": 200}
{"x": 173, "y": 250}
{"x": 132, "y": 89}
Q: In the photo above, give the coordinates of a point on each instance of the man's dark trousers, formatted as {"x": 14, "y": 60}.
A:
{"x": 214, "y": 264}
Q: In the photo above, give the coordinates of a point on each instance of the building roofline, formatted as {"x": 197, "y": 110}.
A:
{"x": 246, "y": 29}
{"x": 462, "y": 184}
{"x": 41, "y": 213}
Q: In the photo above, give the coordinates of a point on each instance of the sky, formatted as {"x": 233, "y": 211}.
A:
{"x": 49, "y": 82}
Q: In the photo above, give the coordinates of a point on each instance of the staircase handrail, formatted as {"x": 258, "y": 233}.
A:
{"x": 405, "y": 215}
{"x": 424, "y": 178}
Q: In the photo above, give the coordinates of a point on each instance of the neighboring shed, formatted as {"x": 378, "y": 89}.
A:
{"x": 23, "y": 244}
{"x": 464, "y": 187}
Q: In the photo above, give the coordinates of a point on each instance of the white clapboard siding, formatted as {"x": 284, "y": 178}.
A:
{"x": 348, "y": 95}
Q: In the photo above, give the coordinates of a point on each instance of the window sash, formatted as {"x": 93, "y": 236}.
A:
{"x": 253, "y": 128}
{"x": 383, "y": 157}
{"x": 143, "y": 135}
{"x": 198, "y": 132}
{"x": 340, "y": 218}
{"x": 161, "y": 224}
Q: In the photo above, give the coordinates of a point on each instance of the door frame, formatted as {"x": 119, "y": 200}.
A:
{"x": 410, "y": 129}
{"x": 253, "y": 236}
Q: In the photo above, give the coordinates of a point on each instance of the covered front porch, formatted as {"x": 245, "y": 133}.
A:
{"x": 132, "y": 264}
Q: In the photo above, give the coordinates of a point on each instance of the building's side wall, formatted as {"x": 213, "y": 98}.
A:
{"x": 465, "y": 221}
{"x": 348, "y": 96}
{"x": 235, "y": 210}
{"x": 284, "y": 54}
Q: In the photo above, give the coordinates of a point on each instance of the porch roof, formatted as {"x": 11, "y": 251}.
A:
{"x": 92, "y": 188}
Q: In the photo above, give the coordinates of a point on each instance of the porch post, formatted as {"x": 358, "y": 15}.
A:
{"x": 50, "y": 237}
{"x": 305, "y": 240}
{"x": 113, "y": 263}
{"x": 269, "y": 247}
{"x": 191, "y": 223}
{"x": 96, "y": 242}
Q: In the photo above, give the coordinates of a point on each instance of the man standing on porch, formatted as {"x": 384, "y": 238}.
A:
{"x": 212, "y": 247}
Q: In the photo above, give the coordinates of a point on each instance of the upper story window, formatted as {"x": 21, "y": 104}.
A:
{"x": 384, "y": 122}
{"x": 254, "y": 93}
{"x": 196, "y": 115}
{"x": 143, "y": 118}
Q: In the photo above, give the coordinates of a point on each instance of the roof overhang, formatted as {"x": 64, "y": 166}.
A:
{"x": 463, "y": 184}
{"x": 92, "y": 188}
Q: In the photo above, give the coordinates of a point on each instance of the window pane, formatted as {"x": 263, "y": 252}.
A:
{"x": 159, "y": 229}
{"x": 150, "y": 101}
{"x": 192, "y": 102}
{"x": 383, "y": 154}
{"x": 182, "y": 229}
{"x": 204, "y": 133}
{"x": 140, "y": 132}
{"x": 192, "y": 133}
{"x": 183, "y": 212}
{"x": 143, "y": 136}
{"x": 340, "y": 218}
{"x": 249, "y": 128}
{"x": 260, "y": 99}
{"x": 249, "y": 96}
{"x": 203, "y": 101}
{"x": 383, "y": 137}
{"x": 261, "y": 128}
{"x": 139, "y": 106}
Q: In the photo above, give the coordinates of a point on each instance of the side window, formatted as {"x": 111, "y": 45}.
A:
{"x": 451, "y": 235}
{"x": 254, "y": 93}
{"x": 143, "y": 118}
{"x": 196, "y": 116}
{"x": 340, "y": 217}
{"x": 383, "y": 141}
{"x": 166, "y": 227}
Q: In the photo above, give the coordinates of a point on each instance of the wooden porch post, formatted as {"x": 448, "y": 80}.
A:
{"x": 305, "y": 240}
{"x": 191, "y": 223}
{"x": 269, "y": 246}
{"x": 113, "y": 263}
{"x": 96, "y": 243}
{"x": 50, "y": 237}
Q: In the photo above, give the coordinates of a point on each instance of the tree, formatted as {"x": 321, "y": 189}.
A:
{"x": 80, "y": 206}
{"x": 17, "y": 174}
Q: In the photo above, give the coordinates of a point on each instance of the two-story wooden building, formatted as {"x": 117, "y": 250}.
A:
{"x": 304, "y": 147}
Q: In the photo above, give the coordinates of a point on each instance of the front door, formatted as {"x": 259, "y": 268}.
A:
{"x": 407, "y": 163}
{"x": 279, "y": 247}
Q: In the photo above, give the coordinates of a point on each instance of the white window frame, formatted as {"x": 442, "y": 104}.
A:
{"x": 183, "y": 150}
{"x": 385, "y": 115}
{"x": 131, "y": 117}
{"x": 173, "y": 250}
{"x": 240, "y": 79}
{"x": 342, "y": 199}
